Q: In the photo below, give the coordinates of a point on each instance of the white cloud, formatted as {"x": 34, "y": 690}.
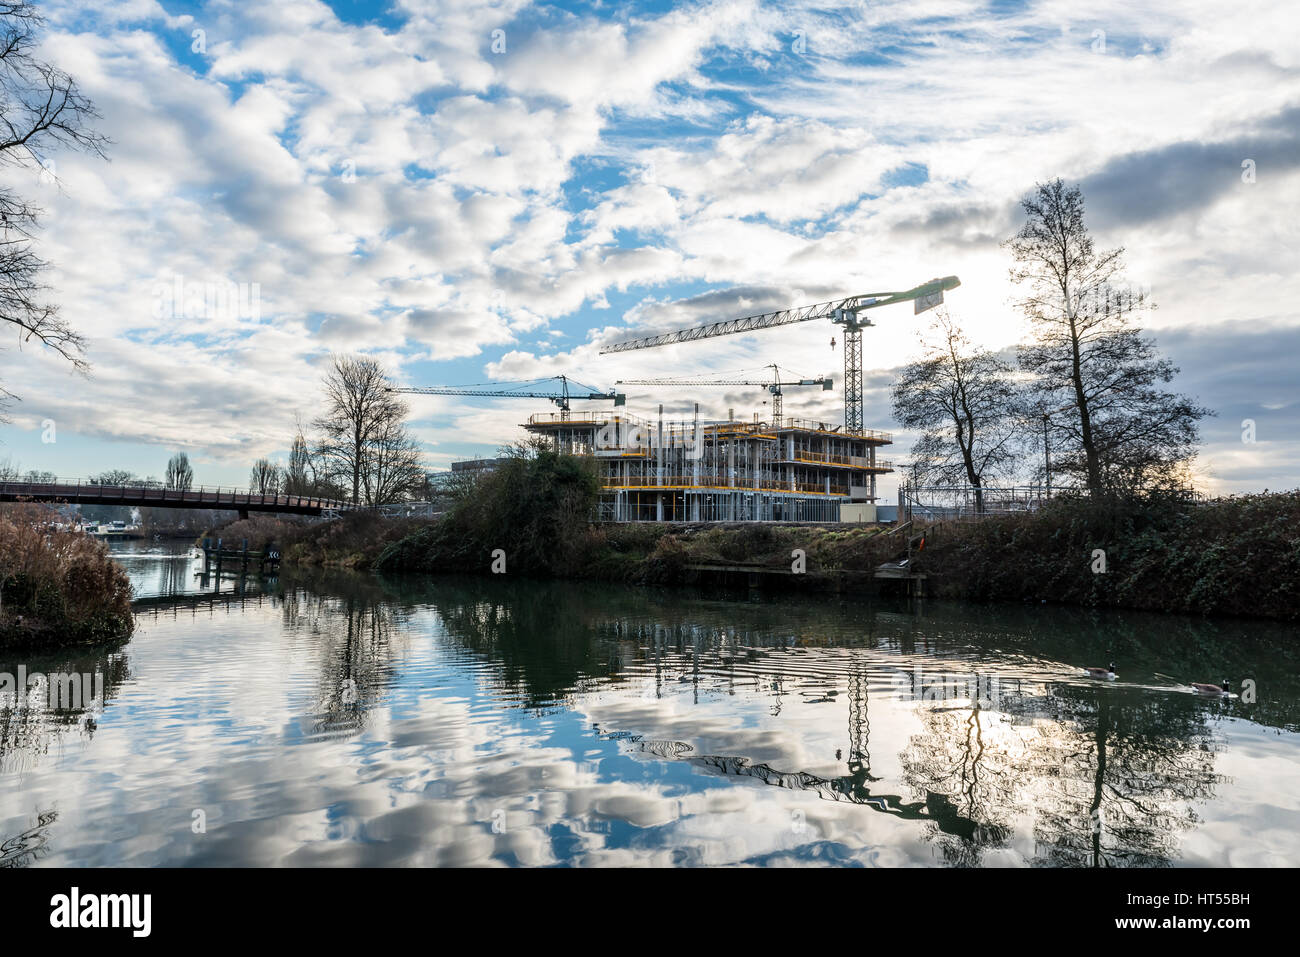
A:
{"x": 410, "y": 192}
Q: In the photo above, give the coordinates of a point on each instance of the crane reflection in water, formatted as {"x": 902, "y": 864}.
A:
{"x": 608, "y": 721}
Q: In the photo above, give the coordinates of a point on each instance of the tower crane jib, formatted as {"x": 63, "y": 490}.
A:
{"x": 843, "y": 312}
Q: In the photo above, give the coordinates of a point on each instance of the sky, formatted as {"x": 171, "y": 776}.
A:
{"x": 478, "y": 191}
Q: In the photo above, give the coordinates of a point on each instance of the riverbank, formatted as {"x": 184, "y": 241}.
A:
{"x": 1233, "y": 557}
{"x": 354, "y": 541}
{"x": 58, "y": 587}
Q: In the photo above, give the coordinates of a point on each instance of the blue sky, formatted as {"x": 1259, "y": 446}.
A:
{"x": 471, "y": 191}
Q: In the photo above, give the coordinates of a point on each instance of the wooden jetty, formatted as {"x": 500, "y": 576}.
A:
{"x": 898, "y": 571}
{"x": 221, "y": 557}
{"x": 837, "y": 579}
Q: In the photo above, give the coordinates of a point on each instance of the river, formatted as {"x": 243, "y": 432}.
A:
{"x": 343, "y": 719}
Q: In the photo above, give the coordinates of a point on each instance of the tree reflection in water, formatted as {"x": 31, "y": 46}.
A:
{"x": 981, "y": 778}
{"x": 1109, "y": 776}
{"x": 1127, "y": 770}
{"x": 357, "y": 627}
{"x": 29, "y": 732}
{"x": 29, "y": 846}
{"x": 1057, "y": 770}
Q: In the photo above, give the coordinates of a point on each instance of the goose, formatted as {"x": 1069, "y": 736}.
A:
{"x": 1107, "y": 673}
{"x": 1211, "y": 689}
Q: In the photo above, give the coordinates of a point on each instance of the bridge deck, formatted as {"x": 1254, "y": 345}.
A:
{"x": 75, "y": 492}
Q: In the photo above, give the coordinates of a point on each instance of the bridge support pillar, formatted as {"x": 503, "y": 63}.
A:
{"x": 243, "y": 513}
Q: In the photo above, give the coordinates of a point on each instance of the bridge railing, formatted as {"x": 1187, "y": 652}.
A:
{"x": 151, "y": 493}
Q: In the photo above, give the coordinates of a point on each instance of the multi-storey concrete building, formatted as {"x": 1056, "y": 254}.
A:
{"x": 793, "y": 470}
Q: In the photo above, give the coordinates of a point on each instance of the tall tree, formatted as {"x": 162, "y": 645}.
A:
{"x": 394, "y": 467}
{"x": 363, "y": 441}
{"x": 41, "y": 110}
{"x": 297, "y": 478}
{"x": 966, "y": 402}
{"x": 264, "y": 479}
{"x": 1119, "y": 428}
{"x": 179, "y": 474}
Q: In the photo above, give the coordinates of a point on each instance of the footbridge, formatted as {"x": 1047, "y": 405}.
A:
{"x": 86, "y": 492}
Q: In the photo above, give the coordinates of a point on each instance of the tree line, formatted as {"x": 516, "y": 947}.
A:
{"x": 1085, "y": 396}
{"x": 357, "y": 450}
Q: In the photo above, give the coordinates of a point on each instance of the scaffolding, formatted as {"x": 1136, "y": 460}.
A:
{"x": 720, "y": 471}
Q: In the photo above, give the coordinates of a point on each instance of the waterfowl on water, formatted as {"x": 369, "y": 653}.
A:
{"x": 1107, "y": 673}
{"x": 1211, "y": 689}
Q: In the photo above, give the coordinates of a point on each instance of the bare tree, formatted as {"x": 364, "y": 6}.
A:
{"x": 114, "y": 477}
{"x": 967, "y": 404}
{"x": 264, "y": 479}
{"x": 394, "y": 467}
{"x": 41, "y": 109}
{"x": 179, "y": 474}
{"x": 1118, "y": 428}
{"x": 362, "y": 439}
{"x": 297, "y": 480}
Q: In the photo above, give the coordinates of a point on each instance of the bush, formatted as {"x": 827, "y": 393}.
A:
{"x": 258, "y": 530}
{"x": 536, "y": 507}
{"x": 351, "y": 541}
{"x": 58, "y": 587}
{"x": 1234, "y": 556}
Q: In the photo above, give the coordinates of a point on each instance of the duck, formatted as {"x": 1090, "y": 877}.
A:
{"x": 1107, "y": 673}
{"x": 1220, "y": 690}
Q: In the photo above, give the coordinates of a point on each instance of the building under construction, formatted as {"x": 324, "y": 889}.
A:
{"x": 784, "y": 470}
{"x": 792, "y": 470}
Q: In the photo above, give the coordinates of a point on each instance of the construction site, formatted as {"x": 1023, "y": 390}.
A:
{"x": 729, "y": 471}
{"x": 763, "y": 469}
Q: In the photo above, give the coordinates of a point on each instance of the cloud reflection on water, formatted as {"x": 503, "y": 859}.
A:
{"x": 342, "y": 720}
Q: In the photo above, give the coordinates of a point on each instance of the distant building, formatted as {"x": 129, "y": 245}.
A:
{"x": 475, "y": 465}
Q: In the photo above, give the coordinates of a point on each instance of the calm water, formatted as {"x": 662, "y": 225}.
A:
{"x": 344, "y": 720}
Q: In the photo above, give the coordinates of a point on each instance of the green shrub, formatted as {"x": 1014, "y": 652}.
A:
{"x": 536, "y": 507}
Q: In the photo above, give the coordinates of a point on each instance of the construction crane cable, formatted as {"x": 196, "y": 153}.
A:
{"x": 518, "y": 385}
